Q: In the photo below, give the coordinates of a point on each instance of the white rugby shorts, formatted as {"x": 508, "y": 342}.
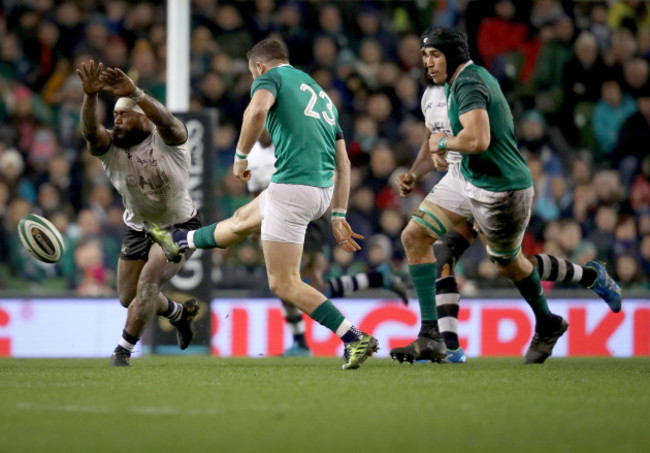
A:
{"x": 501, "y": 216}
{"x": 288, "y": 208}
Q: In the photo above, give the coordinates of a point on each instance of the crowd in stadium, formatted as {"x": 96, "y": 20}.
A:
{"x": 575, "y": 73}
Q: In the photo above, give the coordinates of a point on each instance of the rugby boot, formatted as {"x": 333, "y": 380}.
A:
{"x": 121, "y": 357}
{"x": 605, "y": 286}
{"x": 357, "y": 352}
{"x": 165, "y": 239}
{"x": 429, "y": 345}
{"x": 544, "y": 339}
{"x": 184, "y": 330}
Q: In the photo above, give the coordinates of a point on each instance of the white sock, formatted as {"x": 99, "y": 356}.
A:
{"x": 190, "y": 240}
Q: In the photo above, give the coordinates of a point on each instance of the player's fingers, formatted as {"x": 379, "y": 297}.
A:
{"x": 353, "y": 246}
{"x": 357, "y": 235}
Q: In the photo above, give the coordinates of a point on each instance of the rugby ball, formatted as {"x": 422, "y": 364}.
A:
{"x": 41, "y": 238}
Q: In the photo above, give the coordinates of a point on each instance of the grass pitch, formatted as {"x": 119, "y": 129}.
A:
{"x": 196, "y": 404}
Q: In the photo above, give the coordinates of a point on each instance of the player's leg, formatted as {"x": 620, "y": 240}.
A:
{"x": 312, "y": 268}
{"x": 448, "y": 249}
{"x": 429, "y": 344}
{"x": 134, "y": 259}
{"x": 380, "y": 277}
{"x": 149, "y": 301}
{"x": 245, "y": 221}
{"x": 503, "y": 222}
{"x": 293, "y": 317}
{"x": 287, "y": 211}
{"x": 283, "y": 269}
{"x": 592, "y": 275}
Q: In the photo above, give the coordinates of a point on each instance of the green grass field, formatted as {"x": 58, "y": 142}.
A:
{"x": 185, "y": 404}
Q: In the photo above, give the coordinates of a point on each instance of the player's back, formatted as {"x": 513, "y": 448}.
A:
{"x": 303, "y": 124}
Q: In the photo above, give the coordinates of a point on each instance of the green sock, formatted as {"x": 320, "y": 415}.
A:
{"x": 204, "y": 237}
{"x": 328, "y": 315}
{"x": 424, "y": 280}
{"x": 531, "y": 288}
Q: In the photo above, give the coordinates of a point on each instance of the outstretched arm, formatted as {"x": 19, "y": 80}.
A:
{"x": 96, "y": 135}
{"x": 171, "y": 129}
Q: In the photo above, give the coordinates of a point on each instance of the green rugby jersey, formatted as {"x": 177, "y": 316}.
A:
{"x": 501, "y": 167}
{"x": 303, "y": 124}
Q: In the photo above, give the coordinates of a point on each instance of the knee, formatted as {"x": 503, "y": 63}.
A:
{"x": 413, "y": 238}
{"x": 241, "y": 223}
{"x": 125, "y": 300}
{"x": 277, "y": 288}
{"x": 147, "y": 290}
{"x": 282, "y": 287}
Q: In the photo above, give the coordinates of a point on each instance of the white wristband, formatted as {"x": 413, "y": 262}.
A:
{"x": 137, "y": 95}
{"x": 338, "y": 214}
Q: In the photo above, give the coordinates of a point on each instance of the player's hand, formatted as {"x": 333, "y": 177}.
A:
{"x": 406, "y": 184}
{"x": 240, "y": 169}
{"x": 90, "y": 76}
{"x": 345, "y": 236}
{"x": 117, "y": 82}
{"x": 440, "y": 161}
{"x": 434, "y": 141}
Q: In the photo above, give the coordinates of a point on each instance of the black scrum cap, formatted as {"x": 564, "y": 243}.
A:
{"x": 451, "y": 43}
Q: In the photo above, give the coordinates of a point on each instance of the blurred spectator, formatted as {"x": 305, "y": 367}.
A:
{"x": 628, "y": 274}
{"x": 635, "y": 76}
{"x": 548, "y": 71}
{"x": 261, "y": 21}
{"x": 582, "y": 79}
{"x": 626, "y": 237}
{"x": 610, "y": 112}
{"x": 645, "y": 255}
{"x": 325, "y": 54}
{"x": 71, "y": 29}
{"x": 370, "y": 25}
{"x": 245, "y": 270}
{"x": 362, "y": 215}
{"x": 11, "y": 174}
{"x": 598, "y": 24}
{"x": 603, "y": 236}
{"x": 626, "y": 11}
{"x": 229, "y": 32}
{"x": 572, "y": 243}
{"x": 92, "y": 276}
{"x": 369, "y": 64}
{"x": 330, "y": 23}
{"x": 633, "y": 132}
{"x": 292, "y": 31}
{"x": 380, "y": 109}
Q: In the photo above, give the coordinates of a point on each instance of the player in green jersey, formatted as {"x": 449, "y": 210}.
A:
{"x": 493, "y": 186}
{"x": 312, "y": 173}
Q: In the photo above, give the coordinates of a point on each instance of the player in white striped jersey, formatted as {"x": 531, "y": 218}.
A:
{"x": 146, "y": 158}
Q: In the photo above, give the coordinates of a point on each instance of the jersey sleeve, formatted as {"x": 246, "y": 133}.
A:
{"x": 472, "y": 93}
{"x": 270, "y": 81}
{"x": 339, "y": 132}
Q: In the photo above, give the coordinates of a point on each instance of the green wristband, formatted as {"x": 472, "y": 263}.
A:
{"x": 241, "y": 156}
{"x": 443, "y": 143}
